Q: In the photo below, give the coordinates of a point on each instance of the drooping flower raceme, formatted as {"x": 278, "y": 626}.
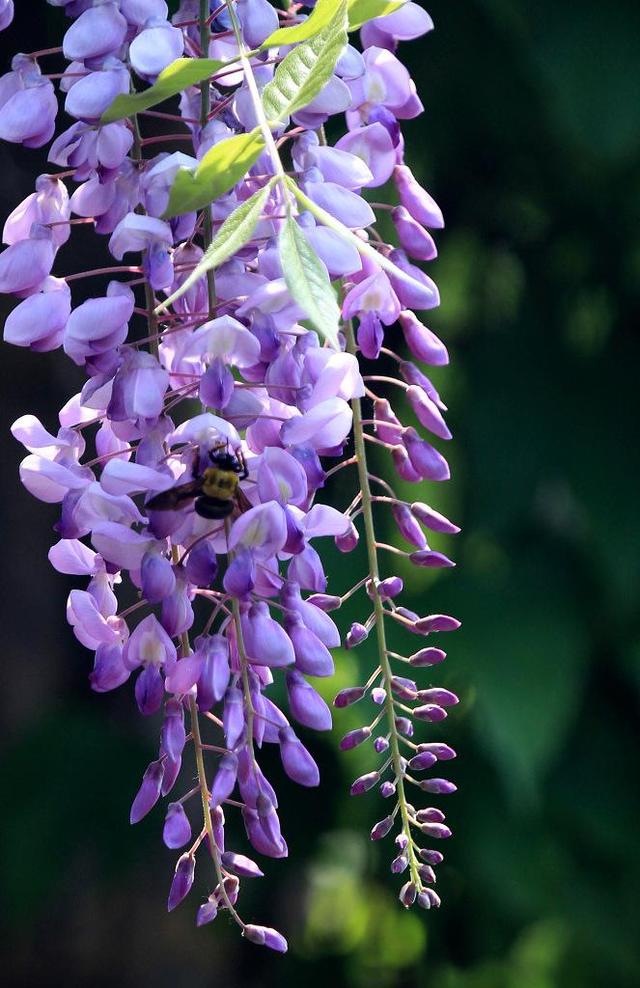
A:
{"x": 230, "y": 359}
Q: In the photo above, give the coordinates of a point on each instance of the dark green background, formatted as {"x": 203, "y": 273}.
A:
{"x": 531, "y": 143}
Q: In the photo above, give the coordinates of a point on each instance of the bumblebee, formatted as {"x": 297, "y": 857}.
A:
{"x": 217, "y": 491}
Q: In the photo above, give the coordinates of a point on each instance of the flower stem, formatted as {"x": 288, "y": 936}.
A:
{"x": 379, "y": 612}
{"x": 205, "y": 106}
{"x": 258, "y": 108}
{"x": 204, "y": 797}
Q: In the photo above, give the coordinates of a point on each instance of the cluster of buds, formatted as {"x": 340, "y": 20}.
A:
{"x": 224, "y": 354}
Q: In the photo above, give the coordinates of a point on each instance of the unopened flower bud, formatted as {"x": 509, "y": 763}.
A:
{"x": 382, "y": 828}
{"x": 403, "y": 688}
{"x": 356, "y": 635}
{"x": 436, "y": 622}
{"x": 404, "y": 726}
{"x": 355, "y": 738}
{"x": 433, "y": 519}
{"x": 445, "y": 698}
{"x": 241, "y": 865}
{"x": 364, "y": 783}
{"x": 207, "y": 912}
{"x": 265, "y": 936}
{"x": 326, "y": 602}
{"x": 428, "y": 898}
{"x": 431, "y": 857}
{"x": 390, "y": 588}
{"x": 430, "y": 815}
{"x": 182, "y": 880}
{"x": 348, "y": 696}
{"x": 440, "y": 786}
{"x": 427, "y": 657}
{"x": 437, "y": 830}
{"x": 430, "y": 712}
{"x": 408, "y": 894}
{"x": 431, "y": 559}
{"x": 422, "y": 761}
{"x": 148, "y": 793}
{"x": 408, "y": 526}
{"x": 399, "y": 864}
{"x": 441, "y": 751}
{"x": 177, "y": 829}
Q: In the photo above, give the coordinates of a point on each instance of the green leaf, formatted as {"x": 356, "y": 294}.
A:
{"x": 307, "y": 69}
{"x": 308, "y": 281}
{"x": 220, "y": 169}
{"x": 234, "y": 233}
{"x": 364, "y": 249}
{"x": 317, "y": 20}
{"x": 179, "y": 75}
{"x": 361, "y": 11}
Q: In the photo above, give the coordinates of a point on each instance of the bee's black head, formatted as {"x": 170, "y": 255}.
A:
{"x": 225, "y": 460}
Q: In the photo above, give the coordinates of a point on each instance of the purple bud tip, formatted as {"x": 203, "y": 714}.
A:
{"x": 148, "y": 793}
{"x": 348, "y": 696}
{"x": 428, "y": 898}
{"x": 177, "y": 829}
{"x": 437, "y": 830}
{"x": 431, "y": 814}
{"x": 432, "y": 519}
{"x": 326, "y": 602}
{"x": 408, "y": 894}
{"x": 378, "y": 695}
{"x": 404, "y": 688}
{"x": 422, "y": 761}
{"x": 404, "y": 726}
{"x": 431, "y": 712}
{"x": 401, "y": 841}
{"x": 364, "y": 783}
{"x": 442, "y": 751}
{"x": 387, "y": 789}
{"x": 445, "y": 698}
{"x": 357, "y": 634}
{"x": 207, "y": 912}
{"x": 382, "y": 828}
{"x": 427, "y": 657}
{"x": 182, "y": 880}
{"x": 436, "y": 622}
{"x": 441, "y": 786}
{"x": 431, "y": 857}
{"x": 431, "y": 558}
{"x": 266, "y": 936}
{"x": 427, "y": 874}
{"x": 387, "y": 589}
{"x": 399, "y": 864}
{"x": 241, "y": 865}
{"x": 380, "y": 744}
{"x": 354, "y": 738}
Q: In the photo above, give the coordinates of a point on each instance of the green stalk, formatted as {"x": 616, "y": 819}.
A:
{"x": 379, "y": 612}
{"x": 205, "y": 106}
{"x": 258, "y": 108}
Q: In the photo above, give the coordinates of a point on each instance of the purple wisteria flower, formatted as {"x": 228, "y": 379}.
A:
{"x": 227, "y": 355}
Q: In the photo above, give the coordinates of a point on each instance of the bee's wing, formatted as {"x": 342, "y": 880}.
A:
{"x": 168, "y": 500}
{"x": 242, "y": 502}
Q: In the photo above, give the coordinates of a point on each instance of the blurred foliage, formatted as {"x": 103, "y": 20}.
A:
{"x": 532, "y": 145}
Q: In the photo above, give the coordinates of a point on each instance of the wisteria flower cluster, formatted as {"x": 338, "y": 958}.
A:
{"x": 225, "y": 348}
